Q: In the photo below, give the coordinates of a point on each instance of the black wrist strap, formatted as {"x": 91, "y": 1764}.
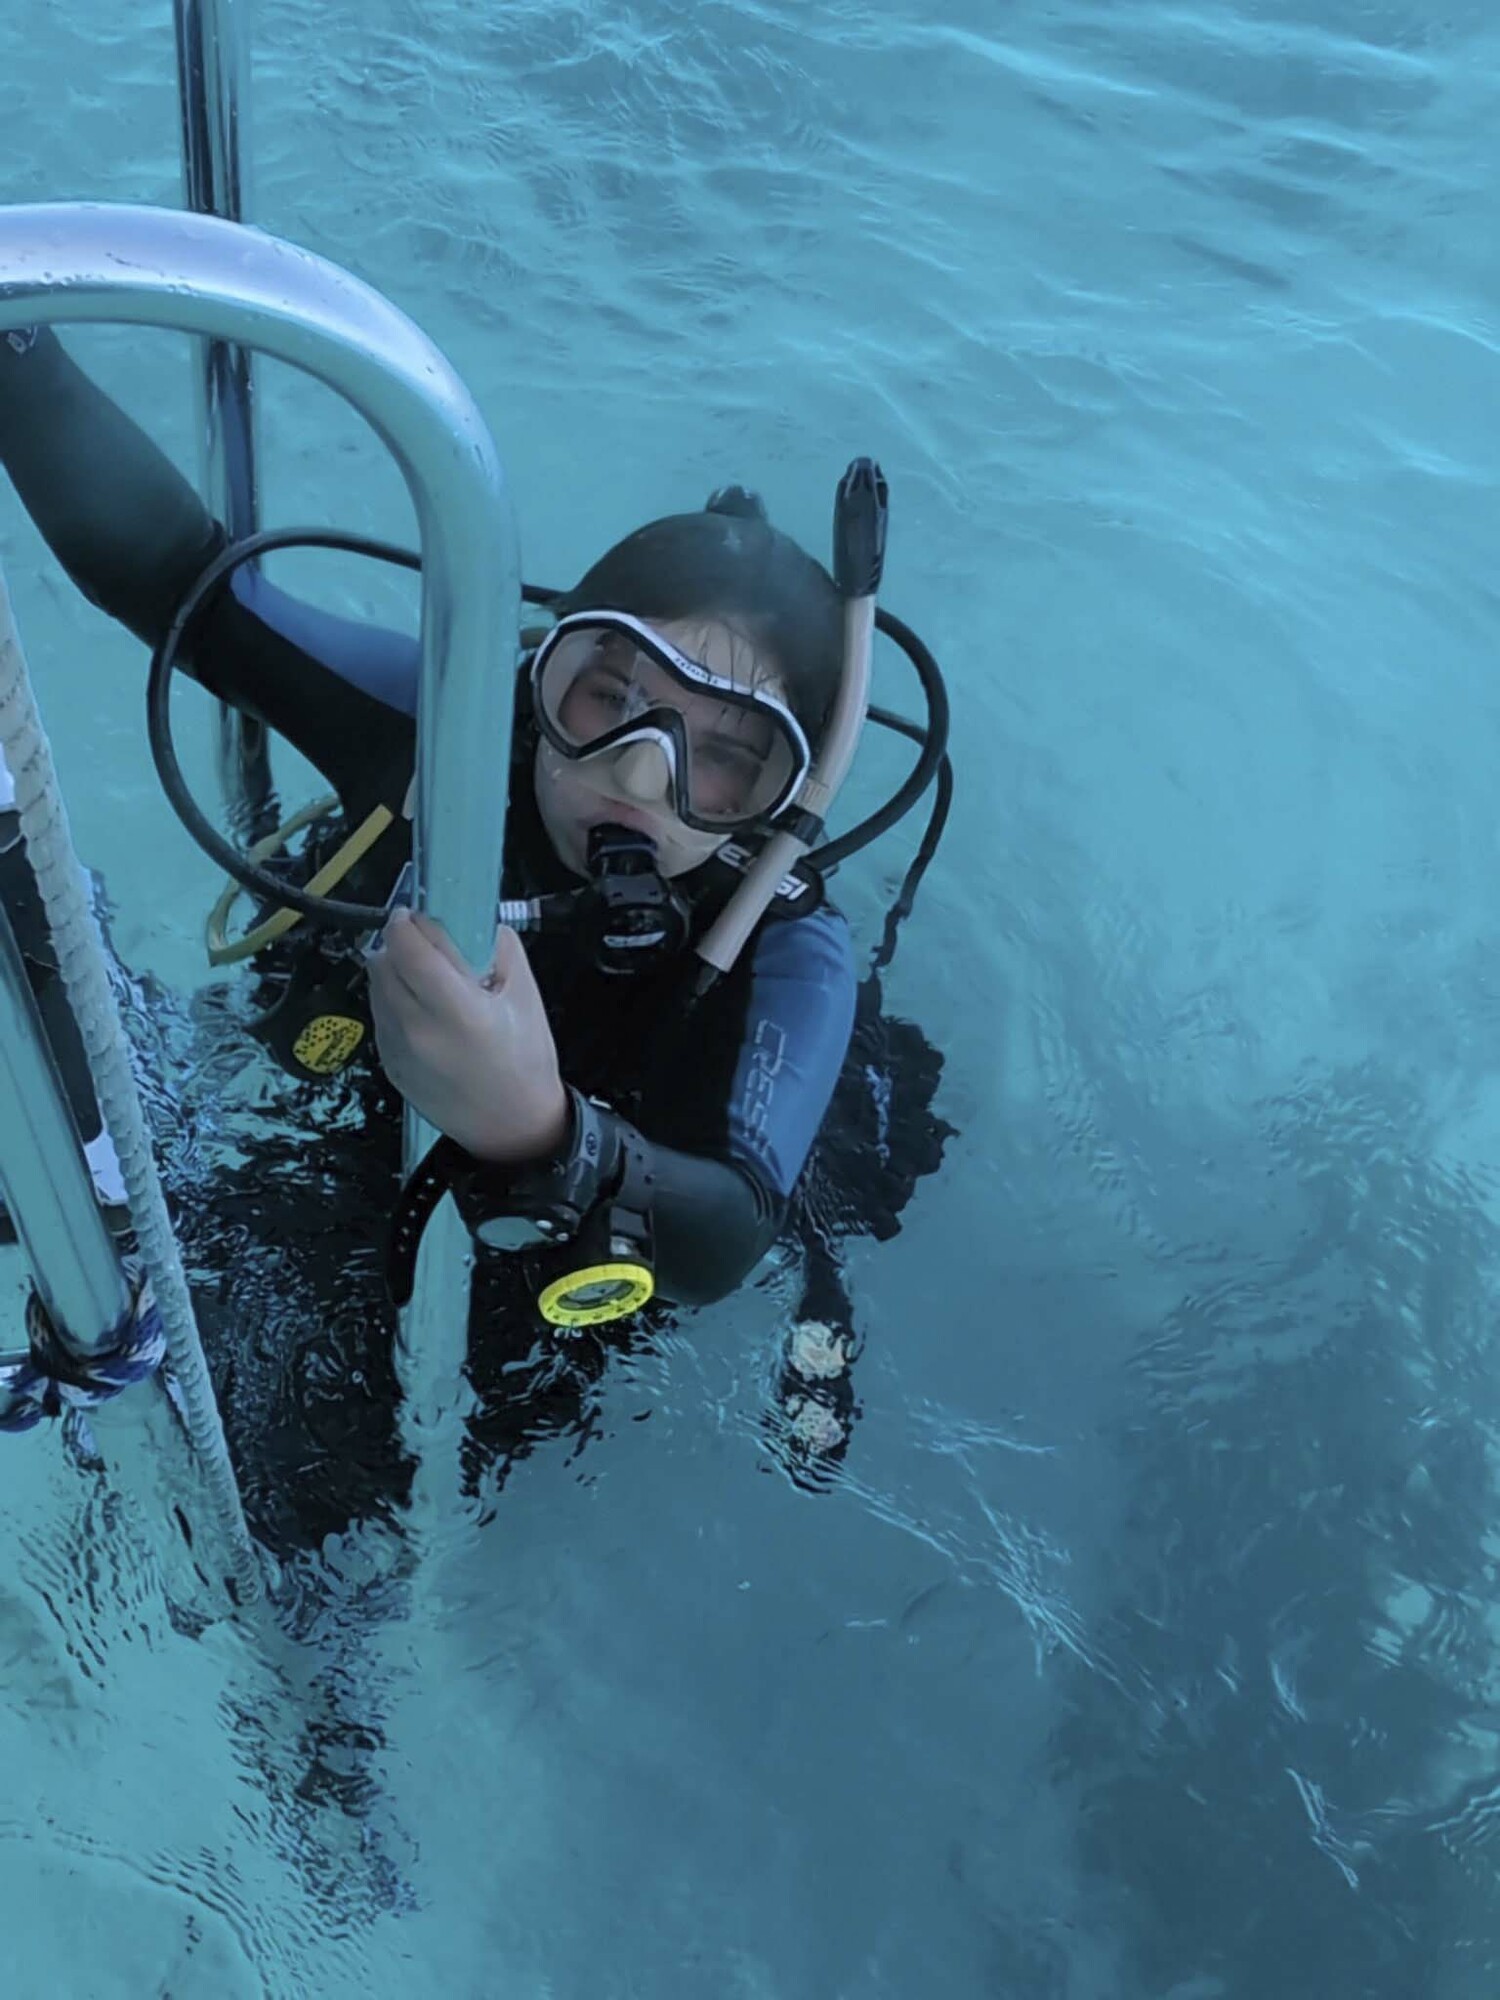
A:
{"x": 560, "y": 1192}
{"x": 415, "y": 1207}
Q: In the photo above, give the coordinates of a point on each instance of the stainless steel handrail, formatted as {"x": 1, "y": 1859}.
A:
{"x": 83, "y": 261}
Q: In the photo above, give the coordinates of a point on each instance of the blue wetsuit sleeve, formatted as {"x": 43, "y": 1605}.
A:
{"x": 725, "y": 1156}
{"x": 799, "y": 1016}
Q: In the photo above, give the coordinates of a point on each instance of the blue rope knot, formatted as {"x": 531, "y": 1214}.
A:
{"x": 47, "y": 1381}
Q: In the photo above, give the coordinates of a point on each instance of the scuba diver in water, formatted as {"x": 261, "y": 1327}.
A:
{"x": 626, "y": 1121}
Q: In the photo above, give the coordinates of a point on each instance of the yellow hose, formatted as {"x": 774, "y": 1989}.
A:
{"x": 224, "y": 951}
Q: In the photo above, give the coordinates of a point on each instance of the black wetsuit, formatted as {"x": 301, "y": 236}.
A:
{"x": 728, "y": 1097}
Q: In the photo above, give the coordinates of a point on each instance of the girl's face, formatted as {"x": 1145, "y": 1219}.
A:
{"x": 631, "y": 785}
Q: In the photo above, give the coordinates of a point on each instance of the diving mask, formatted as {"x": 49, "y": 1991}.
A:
{"x": 734, "y": 755}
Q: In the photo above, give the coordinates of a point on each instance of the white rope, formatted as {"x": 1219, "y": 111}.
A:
{"x": 81, "y": 955}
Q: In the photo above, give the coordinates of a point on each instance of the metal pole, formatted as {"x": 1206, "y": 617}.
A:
{"x": 211, "y": 47}
{"x": 156, "y": 267}
{"x": 46, "y": 1185}
{"x": 212, "y": 64}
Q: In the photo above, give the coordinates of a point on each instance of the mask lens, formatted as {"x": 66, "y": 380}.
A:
{"x": 594, "y": 682}
{"x": 739, "y": 762}
{"x": 590, "y": 685}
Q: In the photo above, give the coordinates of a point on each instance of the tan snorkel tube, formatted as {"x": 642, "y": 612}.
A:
{"x": 859, "y": 525}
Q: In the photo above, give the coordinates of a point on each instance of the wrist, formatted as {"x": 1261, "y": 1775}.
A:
{"x": 544, "y": 1136}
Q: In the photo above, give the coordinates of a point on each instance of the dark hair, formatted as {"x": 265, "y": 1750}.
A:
{"x": 729, "y": 563}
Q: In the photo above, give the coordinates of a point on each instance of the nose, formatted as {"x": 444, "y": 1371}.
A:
{"x": 643, "y": 773}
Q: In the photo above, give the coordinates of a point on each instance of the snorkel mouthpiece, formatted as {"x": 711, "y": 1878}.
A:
{"x": 633, "y": 915}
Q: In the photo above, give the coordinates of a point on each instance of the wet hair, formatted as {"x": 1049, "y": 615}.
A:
{"x": 728, "y": 563}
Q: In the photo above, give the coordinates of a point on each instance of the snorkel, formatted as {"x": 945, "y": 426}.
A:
{"x": 859, "y": 530}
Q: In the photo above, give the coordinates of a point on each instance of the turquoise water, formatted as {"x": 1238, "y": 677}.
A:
{"x": 1147, "y": 1647}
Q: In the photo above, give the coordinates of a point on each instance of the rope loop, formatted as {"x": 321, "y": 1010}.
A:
{"x": 48, "y": 1381}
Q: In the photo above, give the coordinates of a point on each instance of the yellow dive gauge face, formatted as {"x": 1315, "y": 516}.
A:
{"x": 596, "y": 1293}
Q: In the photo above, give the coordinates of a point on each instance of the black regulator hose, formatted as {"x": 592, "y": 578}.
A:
{"x": 326, "y": 910}
{"x": 358, "y": 917}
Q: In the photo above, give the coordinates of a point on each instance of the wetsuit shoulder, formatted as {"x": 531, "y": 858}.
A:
{"x": 752, "y": 1074}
